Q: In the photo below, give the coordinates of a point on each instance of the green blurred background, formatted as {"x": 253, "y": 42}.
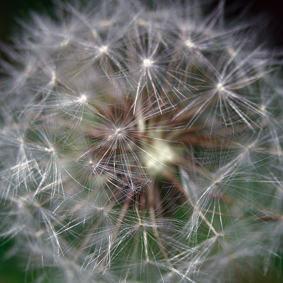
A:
{"x": 12, "y": 9}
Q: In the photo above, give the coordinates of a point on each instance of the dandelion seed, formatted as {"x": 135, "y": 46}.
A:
{"x": 141, "y": 124}
{"x": 105, "y": 23}
{"x": 65, "y": 42}
{"x": 83, "y": 98}
{"x": 220, "y": 86}
{"x": 189, "y": 44}
{"x": 53, "y": 78}
{"x": 118, "y": 131}
{"x": 147, "y": 62}
{"x": 142, "y": 23}
{"x": 39, "y": 233}
{"x": 28, "y": 69}
{"x": 231, "y": 51}
{"x": 103, "y": 49}
{"x": 263, "y": 108}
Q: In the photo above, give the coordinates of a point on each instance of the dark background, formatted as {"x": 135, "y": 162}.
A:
{"x": 271, "y": 12}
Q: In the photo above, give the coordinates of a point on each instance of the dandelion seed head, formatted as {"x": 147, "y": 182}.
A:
{"x": 136, "y": 145}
